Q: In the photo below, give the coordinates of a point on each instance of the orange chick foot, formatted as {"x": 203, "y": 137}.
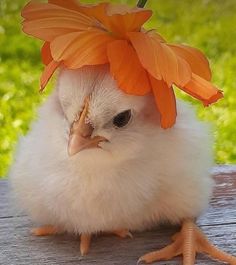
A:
{"x": 52, "y": 230}
{"x": 188, "y": 242}
{"x": 85, "y": 240}
{"x": 45, "y": 230}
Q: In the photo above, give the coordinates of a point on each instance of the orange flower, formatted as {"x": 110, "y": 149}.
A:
{"x": 76, "y": 35}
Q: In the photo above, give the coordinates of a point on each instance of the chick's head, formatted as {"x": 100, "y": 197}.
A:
{"x": 101, "y": 117}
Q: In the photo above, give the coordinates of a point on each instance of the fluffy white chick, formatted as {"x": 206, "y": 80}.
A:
{"x": 135, "y": 176}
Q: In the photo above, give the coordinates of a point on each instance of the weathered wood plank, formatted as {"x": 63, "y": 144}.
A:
{"x": 19, "y": 247}
{"x": 222, "y": 209}
{"x": 4, "y": 199}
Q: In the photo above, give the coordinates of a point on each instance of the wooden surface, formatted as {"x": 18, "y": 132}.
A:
{"x": 19, "y": 247}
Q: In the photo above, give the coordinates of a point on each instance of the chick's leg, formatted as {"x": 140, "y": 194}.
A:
{"x": 188, "y": 242}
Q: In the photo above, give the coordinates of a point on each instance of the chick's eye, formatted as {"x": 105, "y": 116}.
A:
{"x": 121, "y": 119}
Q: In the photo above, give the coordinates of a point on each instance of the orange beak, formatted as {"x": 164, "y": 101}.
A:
{"x": 80, "y": 134}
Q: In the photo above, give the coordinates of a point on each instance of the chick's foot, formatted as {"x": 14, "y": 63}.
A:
{"x": 188, "y": 242}
{"x": 48, "y": 230}
{"x": 45, "y": 230}
{"x": 85, "y": 240}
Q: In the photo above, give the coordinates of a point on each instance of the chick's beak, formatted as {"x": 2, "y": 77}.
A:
{"x": 80, "y": 134}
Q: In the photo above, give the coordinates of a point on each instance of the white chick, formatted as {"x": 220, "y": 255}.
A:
{"x": 123, "y": 171}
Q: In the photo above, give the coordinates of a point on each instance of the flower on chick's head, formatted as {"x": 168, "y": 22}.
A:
{"x": 76, "y": 35}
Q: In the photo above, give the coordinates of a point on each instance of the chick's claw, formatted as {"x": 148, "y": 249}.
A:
{"x": 188, "y": 242}
{"x": 123, "y": 233}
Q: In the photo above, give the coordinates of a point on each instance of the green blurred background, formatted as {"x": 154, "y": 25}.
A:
{"x": 205, "y": 24}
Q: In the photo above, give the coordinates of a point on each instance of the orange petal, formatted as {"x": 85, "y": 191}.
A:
{"x": 61, "y": 46}
{"x": 70, "y": 4}
{"x": 88, "y": 9}
{"x": 49, "y": 28}
{"x": 203, "y": 90}
{"x": 47, "y": 21}
{"x": 77, "y": 49}
{"x": 47, "y": 73}
{"x": 46, "y": 53}
{"x": 165, "y": 101}
{"x": 126, "y": 68}
{"x": 46, "y": 34}
{"x": 120, "y": 24}
{"x": 99, "y": 12}
{"x": 159, "y": 59}
{"x": 121, "y": 9}
{"x": 195, "y": 58}
{"x": 35, "y": 10}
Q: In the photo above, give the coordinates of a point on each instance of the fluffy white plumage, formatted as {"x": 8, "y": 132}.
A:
{"x": 144, "y": 174}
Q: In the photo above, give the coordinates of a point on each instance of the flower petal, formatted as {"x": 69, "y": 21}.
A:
{"x": 159, "y": 59}
{"x": 126, "y": 68}
{"x": 77, "y": 49}
{"x": 35, "y": 10}
{"x": 165, "y": 101}
{"x": 97, "y": 11}
{"x": 54, "y": 25}
{"x": 47, "y": 21}
{"x": 47, "y": 73}
{"x": 70, "y": 4}
{"x": 60, "y": 46}
{"x": 202, "y": 90}
{"x": 195, "y": 58}
{"x": 122, "y": 9}
{"x": 46, "y": 53}
{"x": 120, "y": 22}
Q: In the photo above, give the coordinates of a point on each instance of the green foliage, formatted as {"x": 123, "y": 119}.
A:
{"x": 19, "y": 72}
{"x": 206, "y": 24}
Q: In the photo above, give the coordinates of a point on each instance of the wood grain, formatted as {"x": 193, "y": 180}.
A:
{"x": 19, "y": 247}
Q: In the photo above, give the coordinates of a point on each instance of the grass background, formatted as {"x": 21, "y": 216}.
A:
{"x": 205, "y": 24}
